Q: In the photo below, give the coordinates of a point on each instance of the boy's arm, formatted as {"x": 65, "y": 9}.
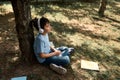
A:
{"x": 56, "y": 53}
{"x": 52, "y": 48}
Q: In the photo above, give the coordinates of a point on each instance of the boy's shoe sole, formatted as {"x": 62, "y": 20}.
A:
{"x": 58, "y": 69}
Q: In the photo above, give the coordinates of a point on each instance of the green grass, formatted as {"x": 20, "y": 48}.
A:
{"x": 78, "y": 25}
{"x": 88, "y": 45}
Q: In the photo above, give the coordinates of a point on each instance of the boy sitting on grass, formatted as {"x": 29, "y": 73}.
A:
{"x": 45, "y": 53}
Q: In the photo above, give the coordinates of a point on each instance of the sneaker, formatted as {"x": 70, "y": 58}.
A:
{"x": 71, "y": 50}
{"x": 58, "y": 69}
{"x": 62, "y": 48}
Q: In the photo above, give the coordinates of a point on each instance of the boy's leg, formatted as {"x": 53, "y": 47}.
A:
{"x": 58, "y": 60}
{"x": 56, "y": 63}
{"x": 65, "y": 50}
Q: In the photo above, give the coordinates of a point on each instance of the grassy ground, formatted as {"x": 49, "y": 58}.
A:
{"x": 75, "y": 25}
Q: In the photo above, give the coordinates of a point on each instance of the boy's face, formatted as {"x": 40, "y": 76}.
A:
{"x": 47, "y": 28}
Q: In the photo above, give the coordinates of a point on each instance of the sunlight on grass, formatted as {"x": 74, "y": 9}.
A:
{"x": 0, "y": 39}
{"x": 75, "y": 39}
{"x": 14, "y": 59}
{"x": 11, "y": 19}
{"x": 5, "y": 9}
{"x": 118, "y": 5}
{"x": 59, "y": 17}
{"x": 78, "y": 25}
{"x": 54, "y": 7}
{"x": 95, "y": 49}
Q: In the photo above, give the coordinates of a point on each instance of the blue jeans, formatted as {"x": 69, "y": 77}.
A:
{"x": 62, "y": 59}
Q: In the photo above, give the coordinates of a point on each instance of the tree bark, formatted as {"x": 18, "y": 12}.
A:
{"x": 25, "y": 33}
{"x": 102, "y": 7}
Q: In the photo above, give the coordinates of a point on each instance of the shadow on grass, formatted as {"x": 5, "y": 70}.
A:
{"x": 117, "y": 26}
{"x": 100, "y": 54}
{"x": 33, "y": 72}
{"x": 67, "y": 9}
{"x": 115, "y": 5}
{"x": 42, "y": 72}
{"x": 68, "y": 12}
{"x": 2, "y": 2}
{"x": 62, "y": 28}
{"x": 114, "y": 20}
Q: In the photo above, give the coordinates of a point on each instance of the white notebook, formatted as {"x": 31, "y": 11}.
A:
{"x": 89, "y": 65}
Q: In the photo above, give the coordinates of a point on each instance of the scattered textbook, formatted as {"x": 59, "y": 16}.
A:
{"x": 89, "y": 65}
{"x": 19, "y": 78}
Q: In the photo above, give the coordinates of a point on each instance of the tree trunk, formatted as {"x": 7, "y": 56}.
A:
{"x": 102, "y": 8}
{"x": 25, "y": 33}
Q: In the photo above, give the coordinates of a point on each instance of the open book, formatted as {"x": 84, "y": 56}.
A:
{"x": 89, "y": 65}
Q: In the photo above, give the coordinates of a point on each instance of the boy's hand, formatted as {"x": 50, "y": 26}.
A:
{"x": 57, "y": 52}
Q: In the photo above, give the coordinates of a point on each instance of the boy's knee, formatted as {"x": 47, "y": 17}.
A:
{"x": 67, "y": 60}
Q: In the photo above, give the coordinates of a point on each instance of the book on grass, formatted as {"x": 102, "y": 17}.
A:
{"x": 89, "y": 65}
{"x": 19, "y": 78}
